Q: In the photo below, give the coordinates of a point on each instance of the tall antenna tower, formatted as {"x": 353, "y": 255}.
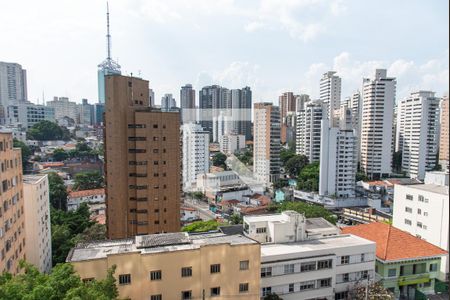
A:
{"x": 109, "y": 65}
{"x": 108, "y": 35}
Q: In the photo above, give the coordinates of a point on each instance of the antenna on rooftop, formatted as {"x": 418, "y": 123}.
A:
{"x": 108, "y": 35}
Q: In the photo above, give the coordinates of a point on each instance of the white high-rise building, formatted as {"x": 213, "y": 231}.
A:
{"x": 37, "y": 221}
{"x": 13, "y": 83}
{"x": 230, "y": 143}
{"x": 377, "y": 124}
{"x": 309, "y": 129}
{"x": 168, "y": 102}
{"x": 64, "y": 108}
{"x": 195, "y": 153}
{"x": 338, "y": 161}
{"x": 222, "y": 124}
{"x": 27, "y": 114}
{"x": 266, "y": 139}
{"x": 330, "y": 92}
{"x": 417, "y": 135}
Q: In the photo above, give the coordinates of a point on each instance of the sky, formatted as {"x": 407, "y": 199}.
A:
{"x": 272, "y": 46}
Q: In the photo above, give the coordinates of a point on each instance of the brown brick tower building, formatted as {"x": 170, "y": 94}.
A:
{"x": 142, "y": 161}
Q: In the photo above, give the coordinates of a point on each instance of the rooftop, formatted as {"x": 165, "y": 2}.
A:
{"x": 434, "y": 188}
{"x": 153, "y": 243}
{"x": 394, "y": 244}
{"x": 32, "y": 179}
{"x": 86, "y": 193}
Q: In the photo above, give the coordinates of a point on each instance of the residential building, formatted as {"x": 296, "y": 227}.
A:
{"x": 244, "y": 106}
{"x": 220, "y": 186}
{"x": 99, "y": 109}
{"x": 13, "y": 83}
{"x": 230, "y": 143}
{"x": 266, "y": 144}
{"x": 222, "y": 124}
{"x": 95, "y": 199}
{"x": 142, "y": 161}
{"x": 86, "y": 113}
{"x": 417, "y": 135}
{"x": 26, "y": 114}
{"x": 211, "y": 99}
{"x": 187, "y": 104}
{"x": 300, "y": 102}
{"x": 287, "y": 103}
{"x": 308, "y": 258}
{"x": 168, "y": 102}
{"x": 338, "y": 160}
{"x": 422, "y": 210}
{"x": 309, "y": 129}
{"x": 443, "y": 146}
{"x": 38, "y": 235}
{"x": 377, "y": 124}
{"x": 151, "y": 98}
{"x": 63, "y": 108}
{"x": 405, "y": 264}
{"x": 195, "y": 154}
{"x": 175, "y": 265}
{"x": 12, "y": 219}
{"x": 330, "y": 92}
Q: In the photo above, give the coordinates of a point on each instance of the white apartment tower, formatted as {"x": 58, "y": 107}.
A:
{"x": 417, "y": 135}
{"x": 64, "y": 108}
{"x": 309, "y": 129}
{"x": 37, "y": 221}
{"x": 195, "y": 153}
{"x": 377, "y": 124}
{"x": 338, "y": 158}
{"x": 13, "y": 83}
{"x": 266, "y": 147}
{"x": 330, "y": 92}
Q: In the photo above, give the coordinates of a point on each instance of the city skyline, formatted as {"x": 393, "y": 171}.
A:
{"x": 168, "y": 47}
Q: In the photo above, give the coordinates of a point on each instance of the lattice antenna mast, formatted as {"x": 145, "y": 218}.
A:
{"x": 108, "y": 35}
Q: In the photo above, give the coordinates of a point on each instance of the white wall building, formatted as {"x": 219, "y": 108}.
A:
{"x": 423, "y": 211}
{"x": 64, "y": 108}
{"x": 338, "y": 158}
{"x": 168, "y": 102}
{"x": 377, "y": 124}
{"x": 417, "y": 135}
{"x": 95, "y": 199}
{"x": 330, "y": 92}
{"x": 37, "y": 221}
{"x": 230, "y": 143}
{"x": 226, "y": 185}
{"x": 266, "y": 142}
{"x": 195, "y": 153}
{"x": 308, "y": 258}
{"x": 13, "y": 83}
{"x": 27, "y": 114}
{"x": 309, "y": 129}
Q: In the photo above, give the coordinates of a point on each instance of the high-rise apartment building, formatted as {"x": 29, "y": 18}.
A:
{"x": 309, "y": 129}
{"x": 338, "y": 161}
{"x": 151, "y": 98}
{"x": 195, "y": 153}
{"x": 85, "y": 112}
{"x": 12, "y": 219}
{"x": 168, "y": 102}
{"x": 287, "y": 103}
{"x": 443, "y": 146}
{"x": 187, "y": 104}
{"x": 417, "y": 135}
{"x": 142, "y": 161}
{"x": 377, "y": 124}
{"x": 266, "y": 142}
{"x": 230, "y": 143}
{"x": 300, "y": 102}
{"x": 330, "y": 92}
{"x": 99, "y": 109}
{"x": 64, "y": 108}
{"x": 13, "y": 83}
{"x": 27, "y": 114}
{"x": 38, "y": 248}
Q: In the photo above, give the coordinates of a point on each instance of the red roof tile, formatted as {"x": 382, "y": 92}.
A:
{"x": 393, "y": 243}
{"x": 86, "y": 193}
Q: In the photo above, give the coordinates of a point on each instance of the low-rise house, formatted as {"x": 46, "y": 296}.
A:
{"x": 94, "y": 198}
{"x": 405, "y": 264}
{"x": 363, "y": 215}
{"x": 224, "y": 185}
{"x": 189, "y": 214}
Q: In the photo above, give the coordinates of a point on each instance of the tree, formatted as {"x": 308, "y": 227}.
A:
{"x": 26, "y": 152}
{"x": 198, "y": 195}
{"x": 375, "y": 291}
{"x": 57, "y": 191}
{"x": 308, "y": 179}
{"x": 48, "y": 131}
{"x": 397, "y": 162}
{"x": 272, "y": 296}
{"x": 88, "y": 180}
{"x": 61, "y": 283}
{"x": 93, "y": 233}
{"x": 285, "y": 155}
{"x": 361, "y": 176}
{"x": 295, "y": 165}
{"x": 309, "y": 210}
{"x": 201, "y": 226}
{"x": 60, "y": 155}
{"x": 236, "y": 219}
{"x": 219, "y": 160}
{"x": 246, "y": 157}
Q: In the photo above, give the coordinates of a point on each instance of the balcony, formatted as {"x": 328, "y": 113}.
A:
{"x": 413, "y": 279}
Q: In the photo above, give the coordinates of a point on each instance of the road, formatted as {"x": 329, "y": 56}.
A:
{"x": 202, "y": 207}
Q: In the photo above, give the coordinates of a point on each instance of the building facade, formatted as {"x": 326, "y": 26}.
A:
{"x": 64, "y": 108}
{"x": 142, "y": 161}
{"x": 443, "y": 140}
{"x": 27, "y": 114}
{"x": 168, "y": 102}
{"x": 377, "y": 124}
{"x": 12, "y": 219}
{"x": 13, "y": 83}
{"x": 230, "y": 143}
{"x": 38, "y": 246}
{"x": 330, "y": 92}
{"x": 95, "y": 199}
{"x": 309, "y": 129}
{"x": 266, "y": 143}
{"x": 195, "y": 154}
{"x": 417, "y": 133}
{"x": 187, "y": 104}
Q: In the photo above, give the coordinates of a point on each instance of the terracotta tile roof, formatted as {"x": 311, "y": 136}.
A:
{"x": 100, "y": 219}
{"x": 86, "y": 193}
{"x": 393, "y": 243}
{"x": 229, "y": 202}
{"x": 50, "y": 164}
{"x": 188, "y": 208}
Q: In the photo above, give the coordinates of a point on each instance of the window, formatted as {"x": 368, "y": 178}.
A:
{"x": 324, "y": 264}
{"x": 124, "y": 279}
{"x": 215, "y": 268}
{"x": 307, "y": 285}
{"x": 324, "y": 282}
{"x": 362, "y": 257}
{"x": 392, "y": 272}
{"x": 243, "y": 265}
{"x": 156, "y": 275}
{"x": 345, "y": 260}
{"x": 421, "y": 198}
{"x": 261, "y": 230}
{"x": 308, "y": 266}
{"x": 156, "y": 297}
{"x": 408, "y": 222}
{"x": 243, "y": 287}
{"x": 215, "y": 291}
{"x": 266, "y": 272}
{"x": 419, "y": 224}
{"x": 408, "y": 209}
{"x": 289, "y": 269}
{"x": 364, "y": 274}
{"x": 345, "y": 277}
{"x": 433, "y": 267}
{"x": 185, "y": 295}
{"x": 186, "y": 272}
{"x": 341, "y": 296}
{"x": 419, "y": 211}
{"x": 291, "y": 288}
{"x": 266, "y": 291}
{"x": 409, "y": 197}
